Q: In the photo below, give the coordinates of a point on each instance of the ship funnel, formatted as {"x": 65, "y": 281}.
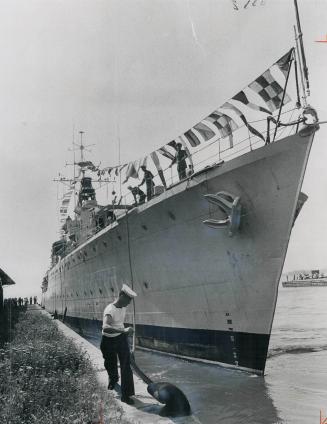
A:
{"x": 176, "y": 403}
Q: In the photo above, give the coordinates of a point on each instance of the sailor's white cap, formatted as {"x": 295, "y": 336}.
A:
{"x": 128, "y": 291}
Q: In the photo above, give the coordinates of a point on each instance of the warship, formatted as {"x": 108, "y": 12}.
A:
{"x": 204, "y": 253}
{"x": 305, "y": 278}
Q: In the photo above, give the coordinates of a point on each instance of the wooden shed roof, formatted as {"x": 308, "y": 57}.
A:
{"x": 5, "y": 279}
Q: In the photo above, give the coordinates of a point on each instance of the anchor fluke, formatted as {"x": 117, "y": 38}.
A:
{"x": 176, "y": 403}
{"x": 214, "y": 223}
{"x": 231, "y": 206}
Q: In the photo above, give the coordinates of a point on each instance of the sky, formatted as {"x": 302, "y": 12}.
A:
{"x": 141, "y": 72}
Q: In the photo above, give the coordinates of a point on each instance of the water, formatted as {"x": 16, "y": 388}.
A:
{"x": 294, "y": 389}
{"x": 296, "y": 373}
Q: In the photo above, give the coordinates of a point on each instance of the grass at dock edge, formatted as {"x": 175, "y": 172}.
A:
{"x": 46, "y": 379}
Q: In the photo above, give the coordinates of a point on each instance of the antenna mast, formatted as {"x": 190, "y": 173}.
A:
{"x": 74, "y": 165}
{"x": 81, "y": 147}
{"x": 303, "y": 62}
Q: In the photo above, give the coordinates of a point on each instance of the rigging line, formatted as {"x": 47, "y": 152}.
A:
{"x": 298, "y": 103}
{"x": 233, "y": 153}
{"x": 249, "y": 138}
{"x": 300, "y": 66}
{"x": 119, "y": 160}
{"x": 131, "y": 272}
{"x": 284, "y": 93}
{"x": 74, "y": 164}
{"x": 300, "y": 37}
{"x": 212, "y": 141}
{"x": 224, "y": 150}
{"x": 259, "y": 141}
{"x": 57, "y": 196}
{"x": 285, "y": 127}
{"x": 264, "y": 119}
{"x": 240, "y": 127}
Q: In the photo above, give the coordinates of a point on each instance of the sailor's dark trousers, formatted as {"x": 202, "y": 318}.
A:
{"x": 111, "y": 347}
{"x": 149, "y": 189}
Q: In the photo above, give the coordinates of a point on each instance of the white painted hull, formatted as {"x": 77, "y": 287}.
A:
{"x": 201, "y": 293}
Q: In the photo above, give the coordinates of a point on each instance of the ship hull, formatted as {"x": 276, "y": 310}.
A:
{"x": 306, "y": 283}
{"x": 202, "y": 294}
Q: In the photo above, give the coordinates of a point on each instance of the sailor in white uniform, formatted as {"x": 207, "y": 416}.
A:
{"x": 114, "y": 343}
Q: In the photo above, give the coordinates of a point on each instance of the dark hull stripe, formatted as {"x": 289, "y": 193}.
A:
{"x": 246, "y": 350}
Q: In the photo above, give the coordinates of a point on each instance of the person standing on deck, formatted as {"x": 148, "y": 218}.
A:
{"x": 148, "y": 180}
{"x": 114, "y": 343}
{"x": 136, "y": 191}
{"x": 179, "y": 158}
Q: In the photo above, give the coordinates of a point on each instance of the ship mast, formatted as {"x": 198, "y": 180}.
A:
{"x": 81, "y": 146}
{"x": 74, "y": 166}
{"x": 301, "y": 54}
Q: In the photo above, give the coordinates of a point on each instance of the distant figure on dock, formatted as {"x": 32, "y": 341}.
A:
{"x": 31, "y": 300}
{"x": 179, "y": 158}
{"x": 114, "y": 343}
{"x": 136, "y": 191}
{"x": 148, "y": 180}
{"x": 35, "y": 300}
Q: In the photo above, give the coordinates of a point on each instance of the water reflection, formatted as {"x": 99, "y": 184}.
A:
{"x": 294, "y": 387}
{"x": 215, "y": 394}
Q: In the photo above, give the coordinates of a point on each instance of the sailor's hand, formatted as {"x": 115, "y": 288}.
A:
{"x": 129, "y": 330}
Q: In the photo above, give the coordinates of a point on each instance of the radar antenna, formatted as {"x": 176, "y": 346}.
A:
{"x": 81, "y": 147}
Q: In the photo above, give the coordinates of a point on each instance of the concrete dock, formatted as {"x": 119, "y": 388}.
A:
{"x": 146, "y": 408}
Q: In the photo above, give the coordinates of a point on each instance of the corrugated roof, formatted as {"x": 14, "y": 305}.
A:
{"x": 5, "y": 279}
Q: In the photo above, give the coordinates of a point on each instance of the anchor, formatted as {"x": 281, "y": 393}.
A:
{"x": 176, "y": 403}
{"x": 231, "y": 206}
